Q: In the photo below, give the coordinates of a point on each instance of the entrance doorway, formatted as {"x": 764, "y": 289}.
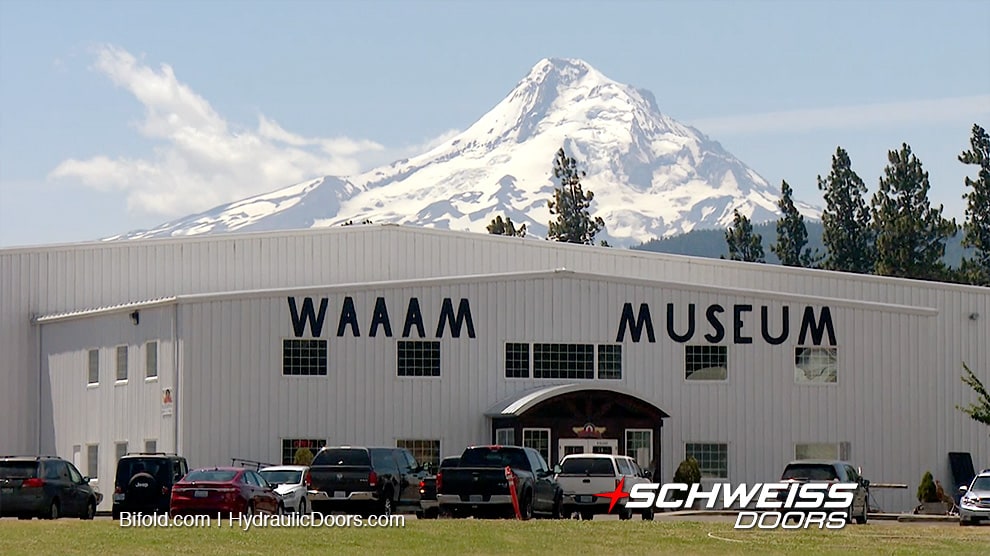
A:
{"x": 587, "y": 446}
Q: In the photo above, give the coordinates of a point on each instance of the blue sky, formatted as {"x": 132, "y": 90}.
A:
{"x": 116, "y": 116}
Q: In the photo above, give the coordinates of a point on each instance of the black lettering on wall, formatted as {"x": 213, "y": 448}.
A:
{"x": 463, "y": 317}
{"x": 785, "y": 325}
{"x": 670, "y": 324}
{"x": 413, "y": 318}
{"x": 380, "y": 318}
{"x": 348, "y": 317}
{"x": 717, "y": 328}
{"x": 628, "y": 320}
{"x": 817, "y": 329}
{"x": 308, "y": 314}
{"x": 737, "y": 324}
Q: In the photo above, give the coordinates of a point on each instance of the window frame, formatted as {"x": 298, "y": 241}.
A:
{"x": 418, "y": 348}
{"x": 93, "y": 461}
{"x": 843, "y": 450}
{"x": 700, "y": 465}
{"x": 116, "y": 449}
{"x": 626, "y": 445}
{"x": 92, "y": 366}
{"x": 304, "y": 352}
{"x": 797, "y": 369}
{"x": 289, "y": 443}
{"x": 686, "y": 377}
{"x": 557, "y": 353}
{"x": 117, "y": 352}
{"x": 148, "y": 351}
{"x": 506, "y": 359}
{"x": 549, "y": 437}
{"x": 418, "y": 454}
{"x": 617, "y": 356}
{"x": 503, "y": 430}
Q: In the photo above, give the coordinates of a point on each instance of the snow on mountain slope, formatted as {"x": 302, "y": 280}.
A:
{"x": 651, "y": 176}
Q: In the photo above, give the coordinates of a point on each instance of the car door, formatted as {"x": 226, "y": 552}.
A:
{"x": 859, "y": 500}
{"x": 77, "y": 488}
{"x": 544, "y": 488}
{"x": 410, "y": 476}
{"x": 387, "y": 469}
{"x": 265, "y": 496}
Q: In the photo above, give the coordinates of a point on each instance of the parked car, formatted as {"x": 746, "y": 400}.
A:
{"x": 224, "y": 490}
{"x": 428, "y": 488}
{"x": 291, "y": 483}
{"x": 46, "y": 487}
{"x": 582, "y": 476}
{"x": 974, "y": 505}
{"x": 143, "y": 482}
{"x": 360, "y": 479}
{"x": 478, "y": 485}
{"x": 823, "y": 471}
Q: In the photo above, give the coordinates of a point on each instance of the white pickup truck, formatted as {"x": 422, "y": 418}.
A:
{"x": 582, "y": 476}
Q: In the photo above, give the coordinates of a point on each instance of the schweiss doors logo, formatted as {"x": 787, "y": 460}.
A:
{"x": 767, "y": 505}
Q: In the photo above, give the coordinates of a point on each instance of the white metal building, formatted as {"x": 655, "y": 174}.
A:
{"x": 248, "y": 346}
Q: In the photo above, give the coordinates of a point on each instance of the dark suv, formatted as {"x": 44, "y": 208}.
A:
{"x": 365, "y": 480}
{"x": 46, "y": 487}
{"x": 144, "y": 481}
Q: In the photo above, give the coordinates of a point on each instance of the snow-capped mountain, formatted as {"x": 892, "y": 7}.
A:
{"x": 651, "y": 175}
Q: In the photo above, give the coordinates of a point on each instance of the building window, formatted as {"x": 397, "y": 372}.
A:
{"x": 823, "y": 450}
{"x": 425, "y": 451}
{"x": 610, "y": 361}
{"x": 304, "y": 357}
{"x": 706, "y": 362}
{"x": 292, "y": 445}
{"x": 563, "y": 361}
{"x": 816, "y": 365}
{"x": 505, "y": 437}
{"x": 639, "y": 446}
{"x": 713, "y": 459}
{"x": 539, "y": 440}
{"x": 120, "y": 449}
{"x": 151, "y": 359}
{"x": 516, "y": 360}
{"x": 121, "y": 362}
{"x": 93, "y": 461}
{"x": 94, "y": 366}
{"x": 419, "y": 358}
{"x": 151, "y": 446}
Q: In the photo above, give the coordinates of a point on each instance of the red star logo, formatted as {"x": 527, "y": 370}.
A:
{"x": 615, "y": 495}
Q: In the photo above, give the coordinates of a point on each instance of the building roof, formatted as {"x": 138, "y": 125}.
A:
{"x": 522, "y": 402}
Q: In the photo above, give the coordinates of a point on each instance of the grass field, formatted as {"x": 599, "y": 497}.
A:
{"x": 105, "y": 537}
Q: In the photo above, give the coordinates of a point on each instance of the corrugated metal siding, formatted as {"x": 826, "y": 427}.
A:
{"x": 47, "y": 280}
{"x": 110, "y": 411}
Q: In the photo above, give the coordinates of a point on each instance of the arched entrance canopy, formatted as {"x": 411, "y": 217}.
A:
{"x": 520, "y": 403}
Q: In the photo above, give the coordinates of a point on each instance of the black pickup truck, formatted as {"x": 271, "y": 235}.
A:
{"x": 478, "y": 486}
{"x": 365, "y": 480}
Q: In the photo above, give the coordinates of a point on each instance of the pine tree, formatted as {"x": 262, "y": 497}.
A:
{"x": 910, "y": 233}
{"x": 506, "y": 227}
{"x": 846, "y": 231}
{"x": 792, "y": 234}
{"x": 980, "y": 410}
{"x": 570, "y": 204}
{"x": 744, "y": 244}
{"x": 976, "y": 230}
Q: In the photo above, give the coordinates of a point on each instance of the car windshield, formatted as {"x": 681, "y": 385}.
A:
{"x": 342, "y": 456}
{"x": 213, "y": 475}
{"x": 282, "y": 477}
{"x": 588, "y": 466}
{"x": 810, "y": 472}
{"x": 18, "y": 469}
{"x": 981, "y": 484}
{"x": 494, "y": 457}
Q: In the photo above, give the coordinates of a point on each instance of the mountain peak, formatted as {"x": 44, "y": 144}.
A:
{"x": 651, "y": 175}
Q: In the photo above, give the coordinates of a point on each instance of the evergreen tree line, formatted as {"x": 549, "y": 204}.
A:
{"x": 897, "y": 233}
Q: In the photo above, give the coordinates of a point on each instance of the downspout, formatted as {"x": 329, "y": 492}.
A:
{"x": 175, "y": 373}
{"x": 41, "y": 380}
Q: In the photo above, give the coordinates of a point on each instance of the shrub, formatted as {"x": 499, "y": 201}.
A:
{"x": 688, "y": 472}
{"x": 926, "y": 489}
{"x": 304, "y": 456}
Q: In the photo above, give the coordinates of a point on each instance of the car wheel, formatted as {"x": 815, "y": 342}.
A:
{"x": 249, "y": 511}
{"x": 526, "y": 509}
{"x": 303, "y": 508}
{"x": 587, "y": 516}
{"x": 558, "y": 510}
{"x": 648, "y": 514}
{"x": 625, "y": 513}
{"x": 90, "y": 512}
{"x": 861, "y": 519}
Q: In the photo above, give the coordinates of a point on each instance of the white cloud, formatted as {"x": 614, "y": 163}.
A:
{"x": 204, "y": 161}
{"x": 966, "y": 110}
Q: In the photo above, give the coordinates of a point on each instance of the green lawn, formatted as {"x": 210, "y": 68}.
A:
{"x": 441, "y": 537}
